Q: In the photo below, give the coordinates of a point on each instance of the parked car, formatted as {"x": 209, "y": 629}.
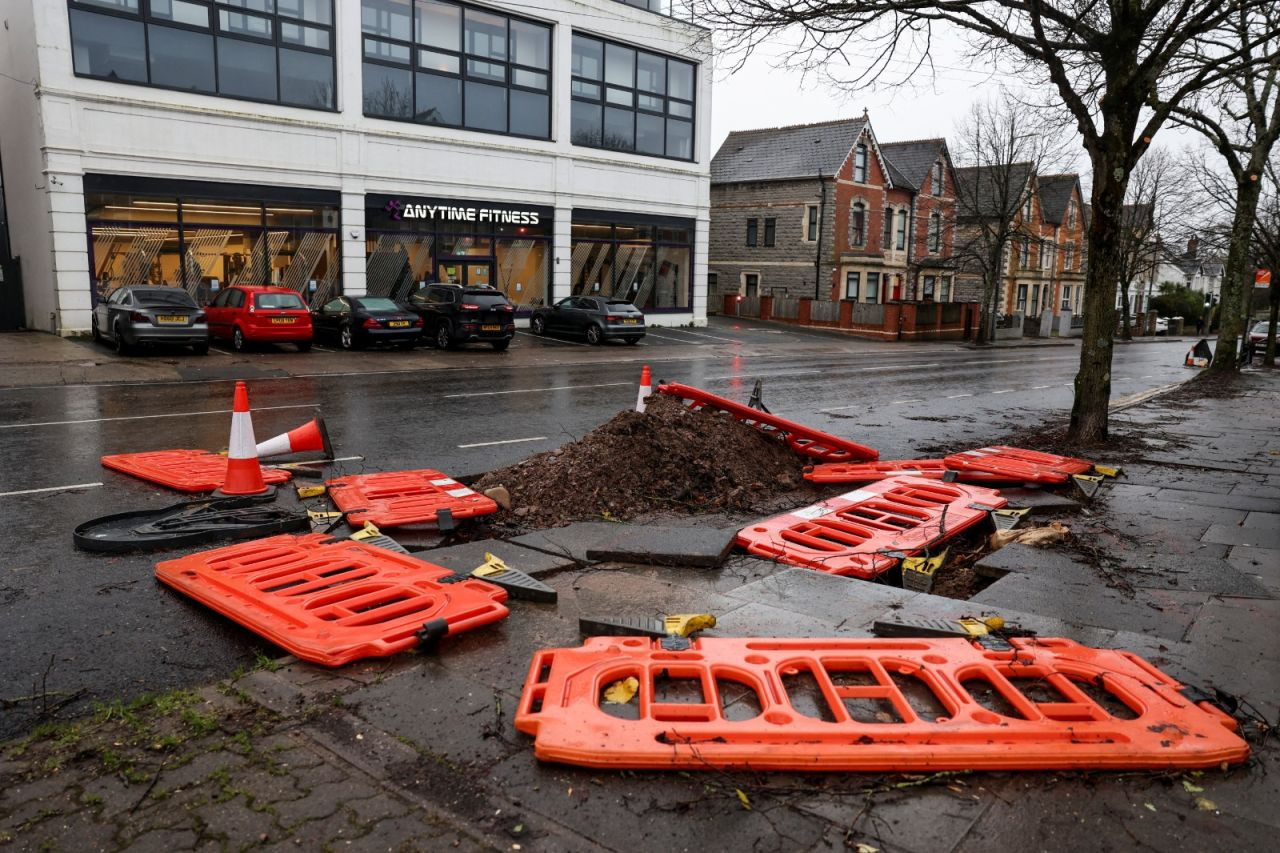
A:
{"x": 355, "y": 322}
{"x": 453, "y": 315}
{"x": 1162, "y": 325}
{"x": 1258, "y": 337}
{"x": 150, "y": 315}
{"x": 597, "y": 318}
{"x": 245, "y": 314}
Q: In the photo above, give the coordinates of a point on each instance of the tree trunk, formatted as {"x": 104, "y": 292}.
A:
{"x": 1237, "y": 280}
{"x": 1269, "y": 359}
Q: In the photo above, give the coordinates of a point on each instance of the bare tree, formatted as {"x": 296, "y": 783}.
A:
{"x": 1152, "y": 197}
{"x": 1000, "y": 148}
{"x": 1119, "y": 68}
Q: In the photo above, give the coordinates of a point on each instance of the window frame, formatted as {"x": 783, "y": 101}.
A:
{"x": 858, "y": 224}
{"x": 886, "y": 240}
{"x": 860, "y": 165}
{"x": 935, "y": 232}
{"x": 900, "y": 231}
{"x": 809, "y": 227}
{"x": 144, "y": 18}
{"x": 854, "y": 278}
{"x": 939, "y": 179}
{"x": 1024, "y": 254}
{"x": 601, "y": 101}
{"x": 415, "y": 68}
{"x": 770, "y": 231}
{"x": 873, "y": 292}
{"x": 753, "y": 229}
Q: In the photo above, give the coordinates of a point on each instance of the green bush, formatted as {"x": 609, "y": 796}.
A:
{"x": 1178, "y": 300}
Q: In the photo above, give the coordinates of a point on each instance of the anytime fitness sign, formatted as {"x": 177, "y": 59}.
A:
{"x": 450, "y": 213}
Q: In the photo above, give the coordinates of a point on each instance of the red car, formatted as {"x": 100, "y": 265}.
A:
{"x": 247, "y": 315}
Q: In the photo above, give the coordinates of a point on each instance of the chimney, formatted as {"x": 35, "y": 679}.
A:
{"x": 1192, "y": 245}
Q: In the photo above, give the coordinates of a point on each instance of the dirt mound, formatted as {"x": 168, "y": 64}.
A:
{"x": 668, "y": 458}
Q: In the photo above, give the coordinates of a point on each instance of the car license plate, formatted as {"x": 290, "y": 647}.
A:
{"x": 282, "y": 320}
{"x": 398, "y": 324}
{"x": 171, "y": 318}
{"x": 491, "y": 328}
{"x": 629, "y": 321}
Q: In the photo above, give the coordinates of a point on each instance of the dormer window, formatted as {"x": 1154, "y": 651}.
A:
{"x": 860, "y": 163}
{"x": 939, "y": 186}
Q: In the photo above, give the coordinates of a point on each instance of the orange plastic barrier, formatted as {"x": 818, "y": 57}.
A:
{"x": 865, "y": 532}
{"x": 1016, "y": 464}
{"x": 395, "y": 498}
{"x": 867, "y": 472}
{"x": 332, "y": 602}
{"x": 183, "y": 470}
{"x": 867, "y": 705}
{"x": 801, "y": 439}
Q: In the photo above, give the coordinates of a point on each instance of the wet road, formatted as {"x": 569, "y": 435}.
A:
{"x": 98, "y": 626}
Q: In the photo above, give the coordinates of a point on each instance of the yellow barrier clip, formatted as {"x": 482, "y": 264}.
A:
{"x": 918, "y": 572}
{"x": 1108, "y": 471}
{"x": 1088, "y": 484}
{"x": 305, "y": 492}
{"x": 323, "y": 516}
{"x": 369, "y": 531}
{"x": 1007, "y": 519}
{"x": 492, "y": 566}
{"x": 686, "y": 624}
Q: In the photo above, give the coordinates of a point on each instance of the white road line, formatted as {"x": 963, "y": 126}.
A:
{"x": 549, "y": 339}
{"x": 702, "y": 335}
{"x": 322, "y": 349}
{"x": 224, "y": 352}
{"x": 1123, "y": 379}
{"x": 957, "y": 396}
{"x": 1040, "y": 387}
{"x": 508, "y": 441}
{"x": 149, "y": 417}
{"x": 894, "y": 403}
{"x": 1005, "y": 391}
{"x": 536, "y": 390}
{"x": 51, "y": 489}
{"x": 652, "y": 334}
{"x": 1148, "y": 376}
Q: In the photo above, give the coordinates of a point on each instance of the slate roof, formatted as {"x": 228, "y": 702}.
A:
{"x": 800, "y": 151}
{"x": 912, "y": 160}
{"x": 1055, "y": 193}
{"x": 980, "y": 188}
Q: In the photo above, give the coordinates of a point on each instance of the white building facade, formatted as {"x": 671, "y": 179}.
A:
{"x": 355, "y": 146}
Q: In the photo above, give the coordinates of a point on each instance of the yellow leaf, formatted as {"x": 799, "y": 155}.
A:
{"x": 1149, "y": 807}
{"x": 1206, "y": 805}
{"x": 746, "y": 803}
{"x": 866, "y": 848}
{"x": 1190, "y": 788}
{"x": 621, "y": 692}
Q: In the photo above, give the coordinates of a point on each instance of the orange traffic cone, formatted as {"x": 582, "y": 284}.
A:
{"x": 244, "y": 474}
{"x": 646, "y": 389}
{"x": 311, "y": 436}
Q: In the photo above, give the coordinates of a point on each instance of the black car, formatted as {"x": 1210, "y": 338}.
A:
{"x": 453, "y": 315}
{"x": 355, "y": 322}
{"x": 598, "y": 318}
{"x": 152, "y": 314}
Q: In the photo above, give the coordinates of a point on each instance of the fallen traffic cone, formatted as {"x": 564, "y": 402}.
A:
{"x": 244, "y": 474}
{"x": 646, "y": 389}
{"x": 309, "y": 437}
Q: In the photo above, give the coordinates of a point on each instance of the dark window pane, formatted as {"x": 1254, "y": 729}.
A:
{"x": 532, "y": 79}
{"x": 315, "y": 11}
{"x": 181, "y": 58}
{"x": 486, "y": 107}
{"x": 305, "y": 36}
{"x": 651, "y": 73}
{"x": 387, "y": 18}
{"x": 439, "y": 24}
{"x": 118, "y": 5}
{"x": 679, "y": 139}
{"x": 649, "y": 102}
{"x": 680, "y": 110}
{"x": 486, "y": 35}
{"x": 530, "y": 114}
{"x": 586, "y": 90}
{"x": 180, "y": 12}
{"x": 242, "y": 24}
{"x": 622, "y": 97}
{"x": 105, "y": 46}
{"x": 619, "y": 65}
{"x": 246, "y": 69}
{"x": 433, "y": 61}
{"x": 619, "y": 130}
{"x": 495, "y": 71}
{"x": 439, "y": 100}
{"x": 253, "y": 5}
{"x": 387, "y": 91}
{"x": 680, "y": 80}
{"x": 530, "y": 44}
{"x": 649, "y": 134}
{"x": 584, "y": 124}
{"x": 588, "y": 58}
{"x": 306, "y": 79}
{"x": 386, "y": 50}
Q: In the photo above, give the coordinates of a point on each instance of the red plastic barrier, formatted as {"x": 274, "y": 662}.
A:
{"x": 395, "y": 498}
{"x": 1016, "y": 464}
{"x": 332, "y": 602}
{"x": 801, "y": 439}
{"x": 867, "y": 472}
{"x": 865, "y": 532}
{"x": 867, "y": 705}
{"x": 183, "y": 470}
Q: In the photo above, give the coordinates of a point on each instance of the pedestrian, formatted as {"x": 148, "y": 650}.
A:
{"x": 1200, "y": 325}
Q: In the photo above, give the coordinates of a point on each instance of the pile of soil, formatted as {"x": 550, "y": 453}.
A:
{"x": 669, "y": 459}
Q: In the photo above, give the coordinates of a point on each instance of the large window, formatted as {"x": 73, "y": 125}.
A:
{"x": 935, "y": 232}
{"x": 626, "y": 99}
{"x": 278, "y": 51}
{"x": 646, "y": 261}
{"x": 858, "y": 224}
{"x": 752, "y": 224}
{"x": 852, "y": 283}
{"x": 900, "y": 243}
{"x": 860, "y": 163}
{"x": 447, "y": 64}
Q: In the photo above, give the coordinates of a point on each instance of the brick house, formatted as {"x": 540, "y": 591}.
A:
{"x": 822, "y": 211}
{"x": 1062, "y": 203}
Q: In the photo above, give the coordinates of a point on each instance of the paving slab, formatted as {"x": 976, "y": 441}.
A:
{"x": 697, "y": 547}
{"x": 830, "y": 598}
{"x": 1242, "y": 499}
{"x": 1040, "y": 501}
{"x": 1171, "y": 477}
{"x": 1152, "y": 507}
{"x": 1233, "y": 534}
{"x": 1266, "y": 520}
{"x": 925, "y": 820}
{"x": 573, "y": 540}
{"x": 1261, "y": 564}
{"x": 469, "y": 555}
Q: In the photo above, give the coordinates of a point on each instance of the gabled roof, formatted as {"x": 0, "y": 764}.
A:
{"x": 799, "y": 151}
{"x": 1138, "y": 215}
{"x": 913, "y": 159}
{"x": 980, "y": 188}
{"x": 1055, "y": 193}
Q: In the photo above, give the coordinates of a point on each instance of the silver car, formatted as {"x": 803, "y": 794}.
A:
{"x": 130, "y": 316}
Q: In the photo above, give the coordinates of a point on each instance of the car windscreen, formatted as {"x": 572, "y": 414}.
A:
{"x": 377, "y": 303}
{"x": 621, "y": 303}
{"x": 484, "y": 300}
{"x": 169, "y": 297}
{"x": 277, "y": 300}
{"x": 1261, "y": 328}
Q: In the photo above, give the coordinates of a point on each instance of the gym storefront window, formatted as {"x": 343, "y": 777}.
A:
{"x": 413, "y": 242}
{"x": 645, "y": 260}
{"x": 626, "y": 99}
{"x": 435, "y": 62}
{"x": 276, "y": 51}
{"x": 203, "y": 237}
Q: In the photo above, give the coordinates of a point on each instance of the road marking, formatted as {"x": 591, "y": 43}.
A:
{"x": 550, "y": 340}
{"x": 149, "y": 417}
{"x": 224, "y": 352}
{"x": 1005, "y": 391}
{"x": 536, "y": 390}
{"x": 508, "y": 441}
{"x": 958, "y": 396}
{"x": 702, "y": 335}
{"x": 1148, "y": 376}
{"x": 1122, "y": 379}
{"x": 322, "y": 349}
{"x": 1040, "y": 387}
{"x": 50, "y": 489}
{"x": 653, "y": 334}
{"x": 894, "y": 403}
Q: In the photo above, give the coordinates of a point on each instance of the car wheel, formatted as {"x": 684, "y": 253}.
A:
{"x": 304, "y": 346}
{"x": 632, "y": 341}
{"x": 501, "y": 346}
{"x": 200, "y": 349}
{"x": 538, "y": 326}
{"x": 97, "y": 334}
{"x": 444, "y": 340}
{"x": 238, "y": 343}
{"x": 121, "y": 345}
{"x": 346, "y": 338}
{"x": 595, "y": 337}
